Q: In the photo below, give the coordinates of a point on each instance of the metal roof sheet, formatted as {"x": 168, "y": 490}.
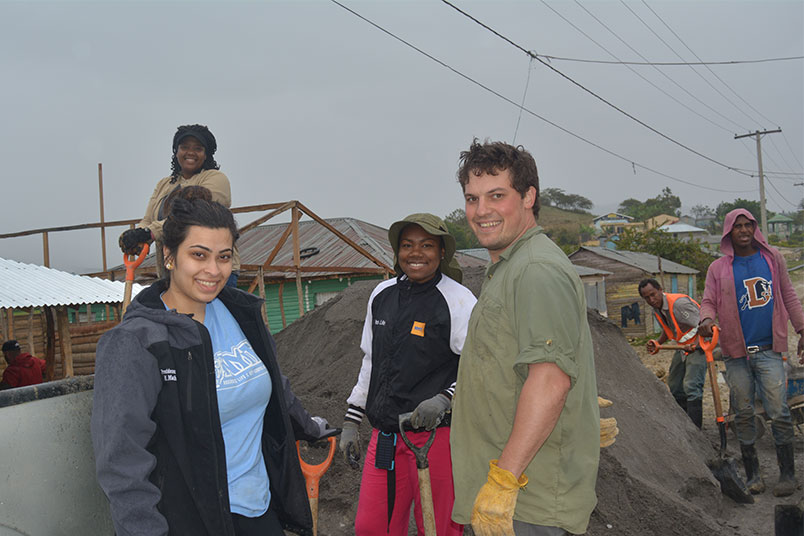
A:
{"x": 31, "y": 285}
{"x": 681, "y": 228}
{"x": 643, "y": 261}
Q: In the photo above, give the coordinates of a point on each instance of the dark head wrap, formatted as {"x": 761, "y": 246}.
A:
{"x": 199, "y": 132}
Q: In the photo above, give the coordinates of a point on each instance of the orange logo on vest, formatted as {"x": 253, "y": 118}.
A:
{"x": 759, "y": 292}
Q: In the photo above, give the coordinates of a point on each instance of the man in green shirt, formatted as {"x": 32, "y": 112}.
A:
{"x": 525, "y": 409}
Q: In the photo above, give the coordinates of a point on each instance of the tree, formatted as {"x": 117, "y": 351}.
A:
{"x": 556, "y": 197}
{"x": 656, "y": 242}
{"x": 751, "y": 206}
{"x": 459, "y": 228}
{"x": 701, "y": 211}
{"x": 664, "y": 203}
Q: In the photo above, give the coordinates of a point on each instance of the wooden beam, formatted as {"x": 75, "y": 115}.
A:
{"x": 263, "y": 312}
{"x": 274, "y": 252}
{"x": 31, "y": 348}
{"x": 282, "y": 208}
{"x": 63, "y": 322}
{"x": 50, "y": 344}
{"x": 334, "y": 269}
{"x": 345, "y": 238}
{"x": 10, "y": 316}
{"x": 102, "y": 219}
{"x": 297, "y": 259}
{"x": 122, "y": 223}
{"x": 46, "y": 250}
{"x": 96, "y": 327}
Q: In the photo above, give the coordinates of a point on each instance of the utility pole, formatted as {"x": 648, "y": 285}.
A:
{"x": 763, "y": 212}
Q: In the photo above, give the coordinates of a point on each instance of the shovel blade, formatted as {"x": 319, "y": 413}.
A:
{"x": 731, "y": 484}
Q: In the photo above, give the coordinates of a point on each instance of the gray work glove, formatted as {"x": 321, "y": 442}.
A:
{"x": 324, "y": 429}
{"x": 350, "y": 444}
{"x": 429, "y": 413}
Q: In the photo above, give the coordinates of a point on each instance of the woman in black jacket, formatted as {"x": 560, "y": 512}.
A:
{"x": 193, "y": 425}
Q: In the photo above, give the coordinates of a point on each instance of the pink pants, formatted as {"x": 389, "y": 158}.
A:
{"x": 372, "y": 508}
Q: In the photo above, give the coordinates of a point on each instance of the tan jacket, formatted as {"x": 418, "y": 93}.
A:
{"x": 211, "y": 179}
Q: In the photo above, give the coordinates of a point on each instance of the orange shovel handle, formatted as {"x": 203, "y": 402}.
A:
{"x": 313, "y": 473}
{"x": 708, "y": 346}
{"x": 132, "y": 264}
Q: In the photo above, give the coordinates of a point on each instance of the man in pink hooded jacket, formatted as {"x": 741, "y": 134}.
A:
{"x": 750, "y": 293}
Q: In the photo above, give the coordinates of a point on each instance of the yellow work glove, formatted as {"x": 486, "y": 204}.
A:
{"x": 603, "y": 402}
{"x": 493, "y": 512}
{"x": 608, "y": 431}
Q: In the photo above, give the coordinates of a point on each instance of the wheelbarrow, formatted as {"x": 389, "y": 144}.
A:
{"x": 312, "y": 475}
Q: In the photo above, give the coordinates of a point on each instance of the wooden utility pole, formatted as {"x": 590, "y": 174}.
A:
{"x": 763, "y": 212}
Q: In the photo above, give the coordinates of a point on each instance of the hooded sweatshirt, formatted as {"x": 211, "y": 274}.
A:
{"x": 24, "y": 370}
{"x": 720, "y": 299}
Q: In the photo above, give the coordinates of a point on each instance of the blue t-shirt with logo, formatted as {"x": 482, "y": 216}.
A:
{"x": 244, "y": 388}
{"x": 754, "y": 289}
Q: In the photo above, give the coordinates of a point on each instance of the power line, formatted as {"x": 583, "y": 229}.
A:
{"x": 627, "y": 64}
{"x": 786, "y": 163}
{"x": 524, "y": 94}
{"x": 781, "y": 194}
{"x": 633, "y": 118}
{"x": 666, "y": 63}
{"x": 635, "y": 51}
{"x": 702, "y": 77}
{"x": 792, "y": 151}
{"x": 528, "y": 111}
{"x": 709, "y": 69}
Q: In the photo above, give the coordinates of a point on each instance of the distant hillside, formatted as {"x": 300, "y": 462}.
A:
{"x": 554, "y": 219}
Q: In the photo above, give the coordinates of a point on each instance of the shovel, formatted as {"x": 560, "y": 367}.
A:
{"x": 312, "y": 474}
{"x": 724, "y": 468}
{"x": 423, "y": 466}
{"x": 131, "y": 266}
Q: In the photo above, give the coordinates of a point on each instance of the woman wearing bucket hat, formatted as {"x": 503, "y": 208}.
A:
{"x": 192, "y": 164}
{"x": 412, "y": 338}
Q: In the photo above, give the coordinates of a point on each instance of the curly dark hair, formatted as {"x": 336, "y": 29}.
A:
{"x": 493, "y": 157}
{"x": 207, "y": 139}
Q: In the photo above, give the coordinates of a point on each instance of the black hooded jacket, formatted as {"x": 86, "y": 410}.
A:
{"x": 159, "y": 449}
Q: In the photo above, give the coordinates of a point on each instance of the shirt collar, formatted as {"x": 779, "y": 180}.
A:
{"x": 510, "y": 250}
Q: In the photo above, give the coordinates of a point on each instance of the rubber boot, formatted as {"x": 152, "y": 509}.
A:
{"x": 753, "y": 477}
{"x": 787, "y": 472}
{"x": 682, "y": 402}
{"x": 695, "y": 412}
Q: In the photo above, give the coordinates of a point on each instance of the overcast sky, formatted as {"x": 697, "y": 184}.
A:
{"x": 310, "y": 102}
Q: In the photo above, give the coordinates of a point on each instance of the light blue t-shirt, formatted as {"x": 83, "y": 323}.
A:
{"x": 754, "y": 288}
{"x": 244, "y": 389}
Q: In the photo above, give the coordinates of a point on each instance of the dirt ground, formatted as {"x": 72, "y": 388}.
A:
{"x": 653, "y": 481}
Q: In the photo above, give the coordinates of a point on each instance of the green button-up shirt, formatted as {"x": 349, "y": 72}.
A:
{"x": 532, "y": 309}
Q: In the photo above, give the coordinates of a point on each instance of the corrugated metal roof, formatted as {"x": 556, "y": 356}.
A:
{"x": 643, "y": 261}
{"x": 681, "y": 228}
{"x": 584, "y": 271}
{"x": 31, "y": 285}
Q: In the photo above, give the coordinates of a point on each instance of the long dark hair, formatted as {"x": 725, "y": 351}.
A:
{"x": 207, "y": 139}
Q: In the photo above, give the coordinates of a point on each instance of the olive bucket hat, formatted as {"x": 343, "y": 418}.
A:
{"x": 436, "y": 227}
